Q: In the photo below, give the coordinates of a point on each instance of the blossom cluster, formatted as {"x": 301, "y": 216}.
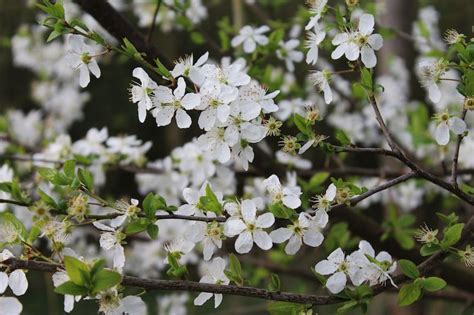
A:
{"x": 231, "y": 105}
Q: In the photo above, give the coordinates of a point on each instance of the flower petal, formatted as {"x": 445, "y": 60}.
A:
{"x": 10, "y": 306}
{"x": 244, "y": 242}
{"x": 249, "y": 211}
{"x": 183, "y": 120}
{"x": 18, "y": 282}
{"x": 281, "y": 235}
{"x": 336, "y": 282}
{"x": 262, "y": 239}
{"x": 265, "y": 220}
{"x": 366, "y": 24}
{"x": 442, "y": 134}
{"x": 293, "y": 245}
{"x": 457, "y": 125}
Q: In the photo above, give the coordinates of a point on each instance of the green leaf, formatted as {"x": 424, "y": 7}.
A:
{"x": 433, "y": 284}
{"x": 366, "y": 79}
{"x": 426, "y": 250}
{"x": 61, "y": 179}
{"x": 468, "y": 79}
{"x": 409, "y": 268}
{"x": 347, "y": 306}
{"x": 302, "y": 124}
{"x": 210, "y": 202}
{"x": 404, "y": 238}
{"x": 318, "y": 179}
{"x": 275, "y": 283}
{"x": 162, "y": 69}
{"x": 452, "y": 235}
{"x": 235, "y": 270}
{"x": 449, "y": 220}
{"x": 9, "y": 220}
{"x": 152, "y": 230}
{"x": 149, "y": 205}
{"x": 53, "y": 35}
{"x": 71, "y": 288}
{"x": 129, "y": 48}
{"x": 406, "y": 220}
{"x": 234, "y": 265}
{"x": 85, "y": 177}
{"x": 105, "y": 279}
{"x": 6, "y": 187}
{"x": 69, "y": 168}
{"x": 343, "y": 138}
{"x": 35, "y": 231}
{"x": 77, "y": 270}
{"x": 16, "y": 192}
{"x": 98, "y": 266}
{"x": 409, "y": 293}
{"x": 280, "y": 211}
{"x": 197, "y": 38}
{"x": 152, "y": 203}
{"x": 46, "y": 198}
{"x": 285, "y": 308}
{"x": 47, "y": 173}
{"x": 137, "y": 226}
{"x": 75, "y": 22}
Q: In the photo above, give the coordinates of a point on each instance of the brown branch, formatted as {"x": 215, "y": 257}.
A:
{"x": 153, "y": 23}
{"x": 185, "y": 285}
{"x": 345, "y": 171}
{"x": 454, "y": 169}
{"x": 355, "y": 200}
{"x": 170, "y": 216}
{"x": 411, "y": 164}
{"x": 119, "y": 27}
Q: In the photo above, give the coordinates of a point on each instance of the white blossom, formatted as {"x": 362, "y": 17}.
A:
{"x": 361, "y": 42}
{"x": 110, "y": 240}
{"x": 185, "y": 67}
{"x": 250, "y": 228}
{"x": 306, "y": 230}
{"x": 142, "y": 92}
{"x": 340, "y": 268}
{"x": 312, "y": 43}
{"x": 110, "y": 303}
{"x": 81, "y": 57}
{"x": 213, "y": 273}
{"x": 287, "y": 52}
{"x": 288, "y": 195}
{"x": 168, "y": 102}
{"x": 316, "y": 8}
{"x": 321, "y": 80}
{"x": 447, "y": 124}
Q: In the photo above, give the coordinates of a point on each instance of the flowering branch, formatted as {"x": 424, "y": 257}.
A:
{"x": 116, "y": 214}
{"x": 154, "y": 284}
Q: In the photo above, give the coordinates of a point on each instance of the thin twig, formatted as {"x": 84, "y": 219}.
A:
{"x": 153, "y": 23}
{"x": 454, "y": 169}
{"x": 355, "y": 200}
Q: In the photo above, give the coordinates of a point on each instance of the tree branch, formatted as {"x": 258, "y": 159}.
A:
{"x": 185, "y": 285}
{"x": 119, "y": 27}
{"x": 153, "y": 23}
{"x": 117, "y": 214}
{"x": 454, "y": 169}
